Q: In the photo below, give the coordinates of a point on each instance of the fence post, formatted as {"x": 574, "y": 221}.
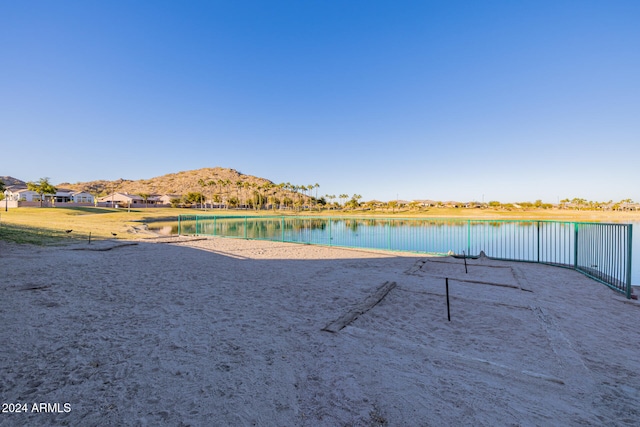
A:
{"x": 538, "y": 242}
{"x": 575, "y": 246}
{"x": 282, "y": 226}
{"x": 179, "y": 225}
{"x": 215, "y": 220}
{"x": 468, "y": 237}
{"x": 629, "y": 248}
{"x": 196, "y": 225}
{"x": 330, "y": 236}
{"x": 245, "y": 227}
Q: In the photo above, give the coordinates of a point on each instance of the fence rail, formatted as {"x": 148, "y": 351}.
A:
{"x": 600, "y": 251}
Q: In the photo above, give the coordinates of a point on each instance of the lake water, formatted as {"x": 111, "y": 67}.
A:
{"x": 525, "y": 240}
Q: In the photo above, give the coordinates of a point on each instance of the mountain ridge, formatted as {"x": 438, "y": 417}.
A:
{"x": 179, "y": 183}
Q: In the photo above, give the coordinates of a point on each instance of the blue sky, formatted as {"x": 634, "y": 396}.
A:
{"x": 445, "y": 100}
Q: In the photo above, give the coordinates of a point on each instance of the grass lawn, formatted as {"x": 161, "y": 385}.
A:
{"x": 49, "y": 225}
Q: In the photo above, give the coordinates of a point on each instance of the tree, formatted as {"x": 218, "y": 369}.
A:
{"x": 332, "y": 198}
{"x": 41, "y": 187}
{"x": 274, "y": 201}
{"x": 238, "y": 188}
{"x": 211, "y": 183}
{"x": 355, "y": 201}
{"x": 310, "y": 188}
{"x": 245, "y": 192}
{"x": 226, "y": 183}
{"x": 202, "y": 183}
{"x": 2, "y": 187}
{"x": 287, "y": 202}
{"x": 145, "y": 197}
{"x": 343, "y": 198}
{"x": 192, "y": 198}
{"x": 233, "y": 201}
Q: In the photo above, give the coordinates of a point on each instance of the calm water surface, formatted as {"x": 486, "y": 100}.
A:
{"x": 375, "y": 238}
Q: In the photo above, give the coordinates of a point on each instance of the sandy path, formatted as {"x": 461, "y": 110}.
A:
{"x": 228, "y": 332}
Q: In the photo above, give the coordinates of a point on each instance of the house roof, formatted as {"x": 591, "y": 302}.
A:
{"x": 15, "y": 187}
{"x": 127, "y": 196}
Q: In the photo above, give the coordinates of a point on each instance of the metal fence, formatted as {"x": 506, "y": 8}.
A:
{"x": 600, "y": 251}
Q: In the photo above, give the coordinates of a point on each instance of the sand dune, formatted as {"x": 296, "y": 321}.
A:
{"x": 230, "y": 333}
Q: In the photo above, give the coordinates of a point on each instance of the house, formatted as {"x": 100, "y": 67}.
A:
{"x": 474, "y": 205}
{"x": 425, "y": 203}
{"x": 82, "y": 197}
{"x": 128, "y": 200}
{"x": 63, "y": 197}
{"x": 166, "y": 199}
{"x": 22, "y": 195}
{"x": 452, "y": 204}
{"x": 70, "y": 196}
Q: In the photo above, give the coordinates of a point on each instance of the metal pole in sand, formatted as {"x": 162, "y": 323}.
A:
{"x": 465, "y": 262}
{"x": 447, "y": 286}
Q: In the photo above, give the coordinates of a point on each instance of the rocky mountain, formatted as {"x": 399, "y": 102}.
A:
{"x": 10, "y": 181}
{"x": 217, "y": 181}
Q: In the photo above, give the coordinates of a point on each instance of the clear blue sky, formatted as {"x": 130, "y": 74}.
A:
{"x": 446, "y": 100}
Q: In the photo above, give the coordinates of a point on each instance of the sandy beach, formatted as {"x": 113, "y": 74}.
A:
{"x": 224, "y": 332}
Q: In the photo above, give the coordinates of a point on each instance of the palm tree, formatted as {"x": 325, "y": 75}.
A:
{"x": 301, "y": 195}
{"x": 245, "y": 188}
{"x": 343, "y": 197}
{"x": 279, "y": 191}
{"x": 257, "y": 197}
{"x": 227, "y": 183}
{"x": 145, "y": 197}
{"x": 296, "y": 200}
{"x": 269, "y": 190}
{"x": 330, "y": 197}
{"x": 211, "y": 183}
{"x": 310, "y": 188}
{"x": 238, "y": 187}
{"x": 202, "y": 183}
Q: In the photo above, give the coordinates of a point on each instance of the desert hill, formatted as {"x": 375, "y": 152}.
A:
{"x": 217, "y": 181}
{"x": 10, "y": 181}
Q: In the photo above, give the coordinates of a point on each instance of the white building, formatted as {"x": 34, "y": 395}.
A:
{"x": 69, "y": 196}
{"x": 124, "y": 200}
{"x": 21, "y": 194}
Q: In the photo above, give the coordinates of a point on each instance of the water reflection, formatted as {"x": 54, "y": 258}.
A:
{"x": 537, "y": 241}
